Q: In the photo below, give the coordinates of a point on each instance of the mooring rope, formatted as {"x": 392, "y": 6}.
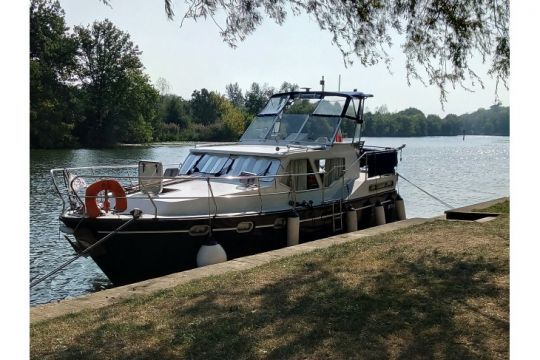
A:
{"x": 136, "y": 213}
{"x": 424, "y": 191}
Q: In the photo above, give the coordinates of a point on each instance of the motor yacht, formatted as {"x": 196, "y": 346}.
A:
{"x": 300, "y": 171}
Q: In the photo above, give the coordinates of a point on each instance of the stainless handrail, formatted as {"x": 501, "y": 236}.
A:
{"x": 57, "y": 189}
{"x": 212, "y": 197}
{"x": 153, "y": 204}
{"x": 260, "y": 195}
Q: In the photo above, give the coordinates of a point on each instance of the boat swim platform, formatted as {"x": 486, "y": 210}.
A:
{"x": 115, "y": 295}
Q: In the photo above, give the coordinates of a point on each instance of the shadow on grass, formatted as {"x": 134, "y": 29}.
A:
{"x": 320, "y": 310}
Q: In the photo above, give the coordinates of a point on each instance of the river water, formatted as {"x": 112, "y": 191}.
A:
{"x": 459, "y": 172}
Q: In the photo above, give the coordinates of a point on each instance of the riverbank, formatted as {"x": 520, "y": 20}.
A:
{"x": 436, "y": 289}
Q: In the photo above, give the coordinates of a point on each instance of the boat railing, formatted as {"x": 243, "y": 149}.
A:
{"x": 257, "y": 183}
{"x": 131, "y": 182}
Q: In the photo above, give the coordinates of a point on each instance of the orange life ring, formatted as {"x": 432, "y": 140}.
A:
{"x": 90, "y": 200}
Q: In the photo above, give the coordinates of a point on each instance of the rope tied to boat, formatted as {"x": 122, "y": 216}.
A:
{"x": 136, "y": 213}
{"x": 427, "y": 193}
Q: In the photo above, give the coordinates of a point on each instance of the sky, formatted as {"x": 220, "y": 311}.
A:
{"x": 194, "y": 56}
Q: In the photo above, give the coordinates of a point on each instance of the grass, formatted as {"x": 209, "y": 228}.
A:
{"x": 502, "y": 207}
{"x": 437, "y": 290}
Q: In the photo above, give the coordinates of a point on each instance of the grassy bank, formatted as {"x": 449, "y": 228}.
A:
{"x": 440, "y": 289}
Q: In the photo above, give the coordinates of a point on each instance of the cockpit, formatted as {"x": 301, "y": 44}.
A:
{"x": 308, "y": 118}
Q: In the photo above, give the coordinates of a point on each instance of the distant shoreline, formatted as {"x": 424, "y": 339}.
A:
{"x": 192, "y": 143}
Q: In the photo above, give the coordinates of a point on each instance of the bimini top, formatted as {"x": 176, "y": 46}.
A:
{"x": 308, "y": 118}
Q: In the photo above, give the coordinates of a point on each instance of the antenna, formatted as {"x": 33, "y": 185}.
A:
{"x": 339, "y": 83}
{"x": 322, "y": 83}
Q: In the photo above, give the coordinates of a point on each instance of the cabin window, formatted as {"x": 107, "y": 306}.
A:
{"x": 272, "y": 170}
{"x": 330, "y": 169}
{"x": 241, "y": 164}
{"x": 226, "y": 165}
{"x": 255, "y": 165}
{"x": 209, "y": 164}
{"x": 305, "y": 179}
{"x": 261, "y": 165}
{"x": 213, "y": 165}
{"x": 188, "y": 164}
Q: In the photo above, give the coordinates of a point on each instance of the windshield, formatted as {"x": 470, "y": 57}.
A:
{"x": 259, "y": 128}
{"x": 288, "y": 126}
{"x": 301, "y": 106}
{"x": 274, "y": 105}
{"x": 319, "y": 129}
{"x": 304, "y": 118}
{"x": 331, "y": 105}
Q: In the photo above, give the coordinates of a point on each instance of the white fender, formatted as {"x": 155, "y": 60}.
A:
{"x": 211, "y": 253}
{"x": 380, "y": 217}
{"x": 293, "y": 230}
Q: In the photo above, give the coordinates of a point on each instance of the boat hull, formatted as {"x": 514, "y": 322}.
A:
{"x": 154, "y": 247}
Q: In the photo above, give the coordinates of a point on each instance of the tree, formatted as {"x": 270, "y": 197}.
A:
{"x": 204, "y": 107}
{"x": 163, "y": 86}
{"x": 411, "y": 112}
{"x": 440, "y": 37}
{"x": 451, "y": 125}
{"x": 232, "y": 118}
{"x": 139, "y": 109}
{"x": 288, "y": 87}
{"x": 383, "y": 109}
{"x": 53, "y": 105}
{"x": 116, "y": 92}
{"x": 256, "y": 97}
{"x": 176, "y": 111}
{"x": 433, "y": 125}
{"x": 234, "y": 94}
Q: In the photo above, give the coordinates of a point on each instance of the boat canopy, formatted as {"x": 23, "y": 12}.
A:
{"x": 319, "y": 118}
